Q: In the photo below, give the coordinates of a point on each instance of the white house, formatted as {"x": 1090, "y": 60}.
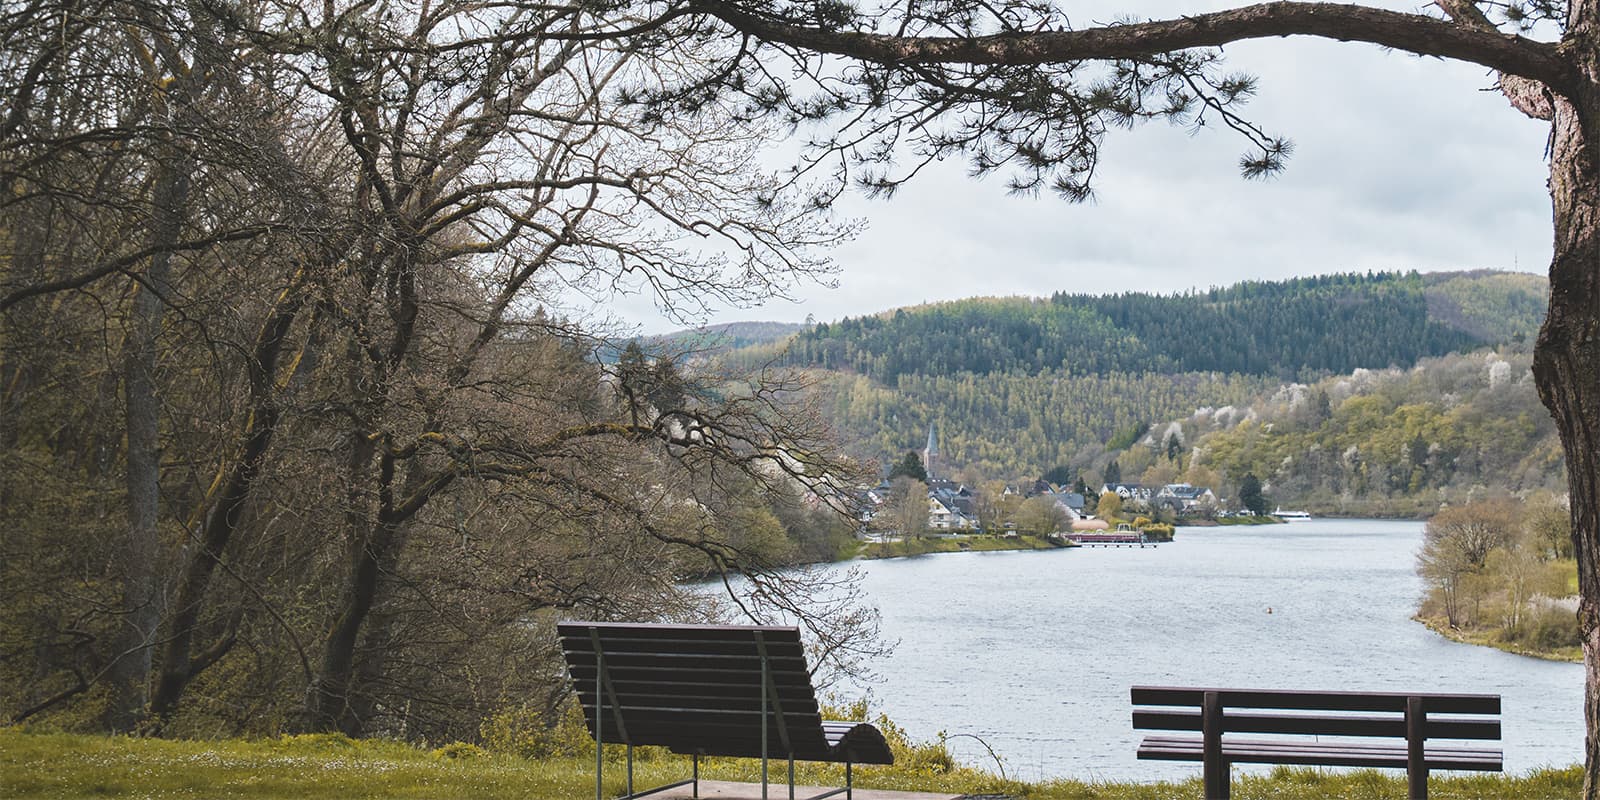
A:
{"x": 1184, "y": 498}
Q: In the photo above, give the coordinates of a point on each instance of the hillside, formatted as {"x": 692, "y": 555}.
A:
{"x": 1493, "y": 306}
{"x": 1348, "y": 392}
{"x": 712, "y": 339}
{"x": 1396, "y": 441}
{"x": 1286, "y": 329}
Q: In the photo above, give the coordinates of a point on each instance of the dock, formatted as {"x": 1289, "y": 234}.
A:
{"x": 1111, "y": 539}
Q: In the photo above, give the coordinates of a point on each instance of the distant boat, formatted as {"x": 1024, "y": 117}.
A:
{"x": 1291, "y": 516}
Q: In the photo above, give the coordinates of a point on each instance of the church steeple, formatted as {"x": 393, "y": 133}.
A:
{"x": 930, "y": 454}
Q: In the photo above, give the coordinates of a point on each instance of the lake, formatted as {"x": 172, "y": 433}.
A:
{"x": 1034, "y": 651}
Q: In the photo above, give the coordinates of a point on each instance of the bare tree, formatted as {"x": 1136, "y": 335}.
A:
{"x": 350, "y": 217}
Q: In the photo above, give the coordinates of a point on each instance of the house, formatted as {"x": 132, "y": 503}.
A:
{"x": 1183, "y": 498}
{"x": 951, "y": 509}
{"x": 1071, "y": 501}
{"x": 1129, "y": 491}
{"x": 949, "y": 487}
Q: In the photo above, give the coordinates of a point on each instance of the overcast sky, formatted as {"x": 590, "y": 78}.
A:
{"x": 1400, "y": 163}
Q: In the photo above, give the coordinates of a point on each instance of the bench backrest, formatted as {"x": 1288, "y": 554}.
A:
{"x": 1379, "y": 714}
{"x": 696, "y": 688}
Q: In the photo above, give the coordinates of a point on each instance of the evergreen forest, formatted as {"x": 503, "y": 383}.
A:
{"x": 1287, "y": 329}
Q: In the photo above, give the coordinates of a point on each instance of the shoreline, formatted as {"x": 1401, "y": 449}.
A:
{"x": 1224, "y": 522}
{"x": 964, "y": 543}
{"x": 1572, "y": 655}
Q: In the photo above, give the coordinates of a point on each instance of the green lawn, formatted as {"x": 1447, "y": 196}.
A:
{"x": 40, "y": 765}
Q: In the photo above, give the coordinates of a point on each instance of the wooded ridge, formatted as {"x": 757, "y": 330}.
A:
{"x": 1348, "y": 393}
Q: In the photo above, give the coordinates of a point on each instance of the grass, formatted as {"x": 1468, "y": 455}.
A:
{"x": 55, "y": 765}
{"x": 964, "y": 543}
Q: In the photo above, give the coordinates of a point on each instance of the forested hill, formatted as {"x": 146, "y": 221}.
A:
{"x": 1320, "y": 325}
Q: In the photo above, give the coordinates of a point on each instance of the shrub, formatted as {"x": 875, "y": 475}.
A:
{"x": 525, "y": 731}
{"x": 1555, "y": 628}
{"x": 459, "y": 750}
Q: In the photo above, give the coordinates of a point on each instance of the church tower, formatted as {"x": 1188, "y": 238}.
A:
{"x": 930, "y": 454}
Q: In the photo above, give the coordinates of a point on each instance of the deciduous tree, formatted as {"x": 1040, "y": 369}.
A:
{"x": 1042, "y": 515}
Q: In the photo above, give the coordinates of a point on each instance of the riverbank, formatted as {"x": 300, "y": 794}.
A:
{"x": 964, "y": 543}
{"x": 1224, "y": 521}
{"x": 1572, "y": 655}
{"x": 324, "y": 767}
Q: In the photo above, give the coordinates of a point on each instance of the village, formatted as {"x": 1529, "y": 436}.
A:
{"x": 895, "y": 507}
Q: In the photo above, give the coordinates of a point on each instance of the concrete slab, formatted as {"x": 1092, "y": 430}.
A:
{"x": 728, "y": 790}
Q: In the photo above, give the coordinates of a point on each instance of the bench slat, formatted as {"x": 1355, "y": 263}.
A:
{"x": 686, "y": 662}
{"x": 1433, "y": 703}
{"x": 678, "y": 633}
{"x": 582, "y": 647}
{"x": 702, "y": 674}
{"x": 1318, "y": 725}
{"x": 704, "y": 696}
{"x": 1321, "y": 754}
{"x": 750, "y": 703}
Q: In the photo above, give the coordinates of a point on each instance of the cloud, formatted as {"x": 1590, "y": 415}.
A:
{"x": 1400, "y": 163}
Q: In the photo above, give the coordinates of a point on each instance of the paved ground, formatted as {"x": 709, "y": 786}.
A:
{"x": 727, "y": 790}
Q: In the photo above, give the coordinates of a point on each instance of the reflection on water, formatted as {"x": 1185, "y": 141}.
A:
{"x": 1034, "y": 652}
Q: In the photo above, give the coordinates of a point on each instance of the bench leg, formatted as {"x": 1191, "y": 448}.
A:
{"x": 1218, "y": 785}
{"x": 1416, "y": 755}
{"x": 1216, "y": 767}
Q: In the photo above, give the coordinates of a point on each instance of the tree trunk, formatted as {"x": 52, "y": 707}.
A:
{"x": 128, "y": 676}
{"x": 331, "y": 705}
{"x": 179, "y": 663}
{"x": 1566, "y": 362}
{"x": 329, "y": 698}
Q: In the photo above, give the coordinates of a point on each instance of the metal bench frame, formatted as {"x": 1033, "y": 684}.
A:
{"x": 585, "y": 645}
{"x": 1338, "y": 714}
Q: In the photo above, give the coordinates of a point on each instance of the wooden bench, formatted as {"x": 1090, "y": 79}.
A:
{"x": 1353, "y": 718}
{"x": 708, "y": 690}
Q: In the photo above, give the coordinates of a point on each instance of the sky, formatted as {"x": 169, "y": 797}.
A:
{"x": 1400, "y": 163}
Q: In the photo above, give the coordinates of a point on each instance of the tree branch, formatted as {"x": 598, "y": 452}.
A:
{"x": 1527, "y": 95}
{"x": 1414, "y": 33}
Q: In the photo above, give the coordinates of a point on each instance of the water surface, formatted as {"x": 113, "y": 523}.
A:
{"x": 1035, "y": 651}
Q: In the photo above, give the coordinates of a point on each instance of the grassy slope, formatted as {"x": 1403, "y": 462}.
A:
{"x": 38, "y": 765}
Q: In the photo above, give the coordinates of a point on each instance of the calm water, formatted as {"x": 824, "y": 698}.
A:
{"x": 1034, "y": 651}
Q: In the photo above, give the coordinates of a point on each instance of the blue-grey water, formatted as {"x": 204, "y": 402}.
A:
{"x": 1034, "y": 651}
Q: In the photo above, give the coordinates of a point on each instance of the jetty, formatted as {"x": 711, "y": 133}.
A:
{"x": 1118, "y": 538}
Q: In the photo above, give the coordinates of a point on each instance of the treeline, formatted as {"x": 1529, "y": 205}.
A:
{"x": 980, "y": 336}
{"x": 1289, "y": 329}
{"x": 1332, "y": 323}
